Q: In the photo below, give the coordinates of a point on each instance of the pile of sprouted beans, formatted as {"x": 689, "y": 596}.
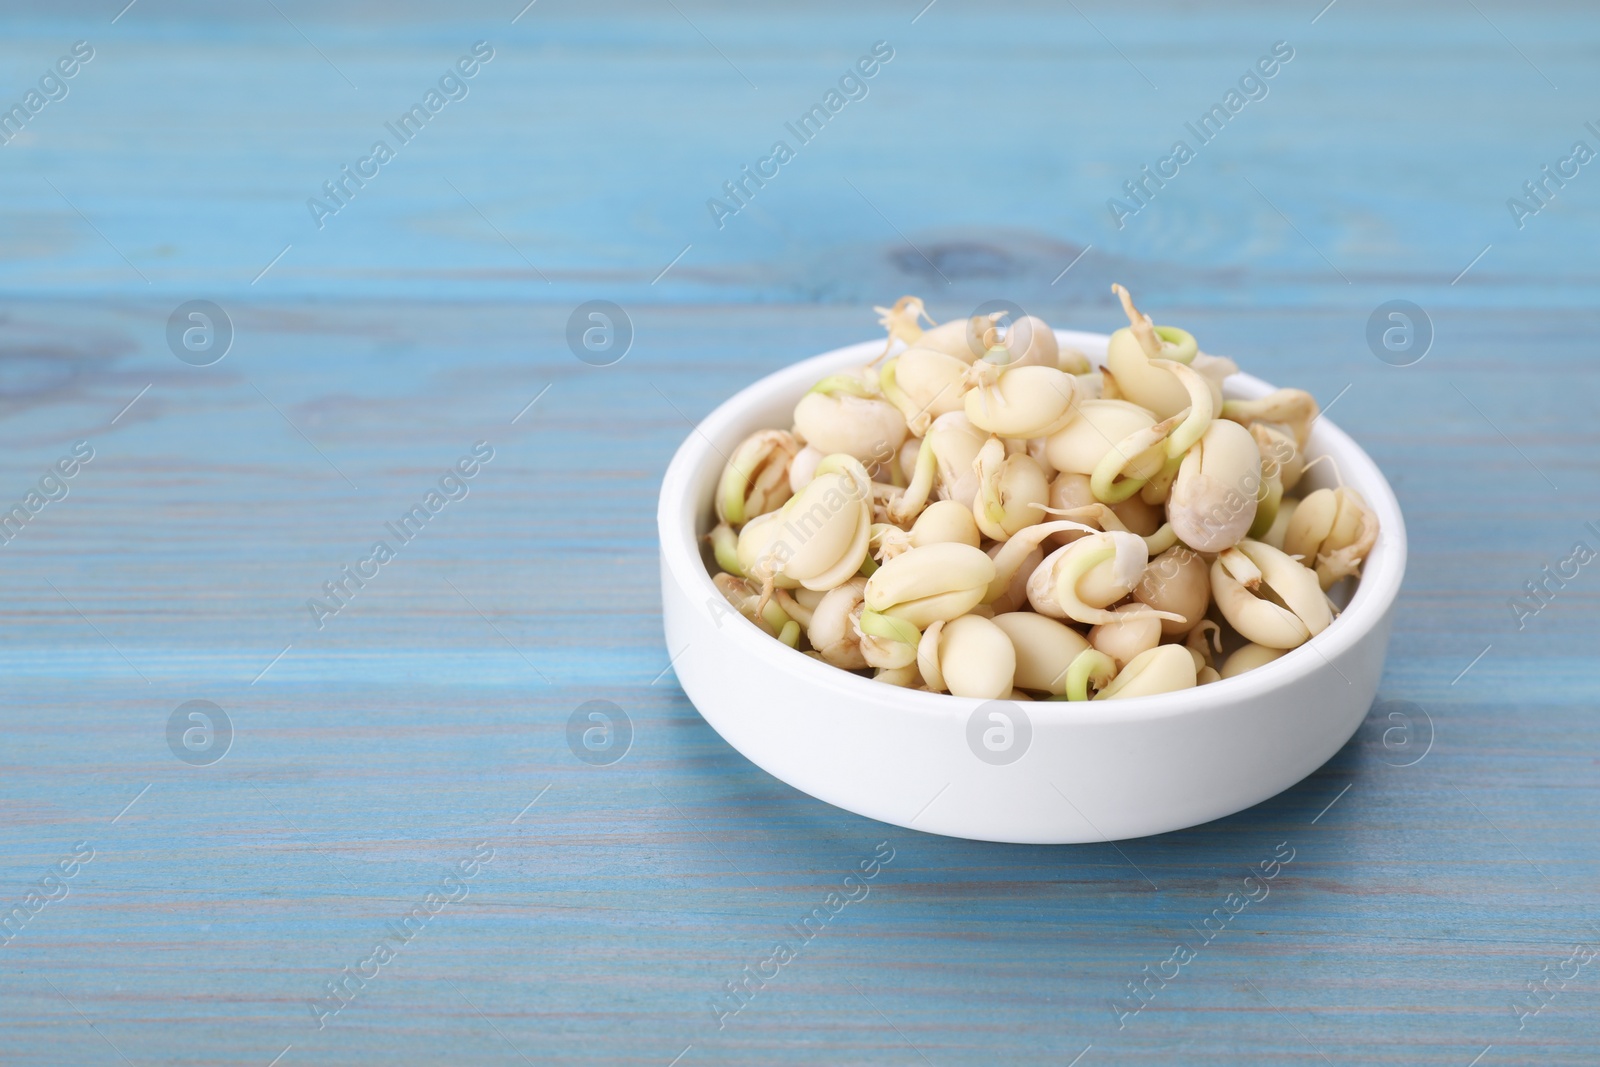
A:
{"x": 980, "y": 512}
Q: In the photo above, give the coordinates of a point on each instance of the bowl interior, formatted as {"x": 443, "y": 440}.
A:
{"x": 686, "y": 516}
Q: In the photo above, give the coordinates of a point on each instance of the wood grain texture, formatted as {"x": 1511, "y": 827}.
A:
{"x": 371, "y": 756}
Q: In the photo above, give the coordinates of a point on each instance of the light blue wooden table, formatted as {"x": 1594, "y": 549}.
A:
{"x": 1441, "y": 862}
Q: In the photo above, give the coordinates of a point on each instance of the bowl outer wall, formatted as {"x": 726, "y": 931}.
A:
{"x": 1104, "y": 770}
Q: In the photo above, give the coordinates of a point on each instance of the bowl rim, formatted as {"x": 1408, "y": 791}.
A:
{"x": 1374, "y": 594}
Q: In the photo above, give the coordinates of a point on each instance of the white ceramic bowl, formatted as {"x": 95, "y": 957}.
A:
{"x": 1095, "y": 771}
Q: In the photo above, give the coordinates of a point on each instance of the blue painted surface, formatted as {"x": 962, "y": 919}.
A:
{"x": 372, "y": 756}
